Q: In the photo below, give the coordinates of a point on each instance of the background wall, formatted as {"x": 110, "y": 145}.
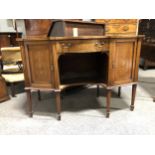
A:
{"x": 6, "y": 25}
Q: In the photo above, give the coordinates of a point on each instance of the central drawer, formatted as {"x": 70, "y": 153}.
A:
{"x": 83, "y": 46}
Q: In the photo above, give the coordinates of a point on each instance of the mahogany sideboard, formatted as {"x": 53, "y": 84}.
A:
{"x": 53, "y": 63}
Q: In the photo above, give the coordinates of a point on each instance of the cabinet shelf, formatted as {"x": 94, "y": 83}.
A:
{"x": 85, "y": 67}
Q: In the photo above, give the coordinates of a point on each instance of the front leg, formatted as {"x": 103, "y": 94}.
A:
{"x": 133, "y": 96}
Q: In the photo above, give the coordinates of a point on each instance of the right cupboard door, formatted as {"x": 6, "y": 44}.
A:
{"x": 122, "y": 61}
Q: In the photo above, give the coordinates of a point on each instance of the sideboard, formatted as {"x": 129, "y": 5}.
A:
{"x": 54, "y": 63}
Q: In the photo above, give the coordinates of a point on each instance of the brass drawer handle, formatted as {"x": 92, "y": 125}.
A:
{"x": 102, "y": 43}
{"x": 99, "y": 44}
{"x": 66, "y": 45}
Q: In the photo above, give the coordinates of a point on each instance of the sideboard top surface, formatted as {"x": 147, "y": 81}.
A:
{"x": 76, "y": 38}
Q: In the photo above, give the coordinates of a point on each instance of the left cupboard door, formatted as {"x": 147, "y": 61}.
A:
{"x": 39, "y": 64}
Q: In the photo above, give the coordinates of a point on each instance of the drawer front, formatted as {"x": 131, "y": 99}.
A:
{"x": 117, "y": 21}
{"x": 121, "y": 29}
{"x": 80, "y": 46}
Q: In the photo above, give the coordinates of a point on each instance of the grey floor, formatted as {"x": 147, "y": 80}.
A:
{"x": 83, "y": 112}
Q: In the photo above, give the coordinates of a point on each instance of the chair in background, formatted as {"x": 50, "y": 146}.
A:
{"x": 12, "y": 70}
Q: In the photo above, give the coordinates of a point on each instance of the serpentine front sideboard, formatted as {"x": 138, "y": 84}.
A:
{"x": 54, "y": 63}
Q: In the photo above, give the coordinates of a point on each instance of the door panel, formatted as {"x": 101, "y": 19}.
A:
{"x": 122, "y": 62}
{"x": 40, "y": 64}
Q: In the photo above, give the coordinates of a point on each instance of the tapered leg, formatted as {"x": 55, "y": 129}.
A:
{"x": 133, "y": 96}
{"x": 58, "y": 105}
{"x": 98, "y": 91}
{"x": 39, "y": 95}
{"x": 119, "y": 91}
{"x": 29, "y": 103}
{"x": 12, "y": 90}
{"x": 108, "y": 103}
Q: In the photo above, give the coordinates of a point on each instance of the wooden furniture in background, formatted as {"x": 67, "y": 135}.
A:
{"x": 119, "y": 26}
{"x": 52, "y": 64}
{"x": 147, "y": 28}
{"x": 12, "y": 70}
{"x": 8, "y": 39}
{"x": 64, "y": 28}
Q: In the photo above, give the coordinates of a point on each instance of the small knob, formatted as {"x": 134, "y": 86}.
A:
{"x": 125, "y": 28}
{"x": 97, "y": 43}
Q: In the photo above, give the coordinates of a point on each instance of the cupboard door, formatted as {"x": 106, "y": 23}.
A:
{"x": 40, "y": 65}
{"x": 122, "y": 61}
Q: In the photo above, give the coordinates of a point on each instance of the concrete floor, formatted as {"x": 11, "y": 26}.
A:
{"x": 83, "y": 112}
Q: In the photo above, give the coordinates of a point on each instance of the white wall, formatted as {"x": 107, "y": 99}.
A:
{"x": 6, "y": 25}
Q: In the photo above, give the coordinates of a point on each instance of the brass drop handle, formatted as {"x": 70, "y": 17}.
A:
{"x": 66, "y": 45}
{"x": 102, "y": 43}
{"x": 96, "y": 44}
{"x": 99, "y": 44}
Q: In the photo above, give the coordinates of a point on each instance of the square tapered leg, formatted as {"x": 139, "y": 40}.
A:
{"x": 134, "y": 87}
{"x": 58, "y": 105}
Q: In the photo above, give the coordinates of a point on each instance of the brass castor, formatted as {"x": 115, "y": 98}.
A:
{"x": 59, "y": 117}
{"x": 131, "y": 107}
{"x": 107, "y": 115}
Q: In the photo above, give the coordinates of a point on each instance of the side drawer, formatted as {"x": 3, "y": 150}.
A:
{"x": 121, "y": 29}
{"x": 117, "y": 21}
{"x": 83, "y": 46}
